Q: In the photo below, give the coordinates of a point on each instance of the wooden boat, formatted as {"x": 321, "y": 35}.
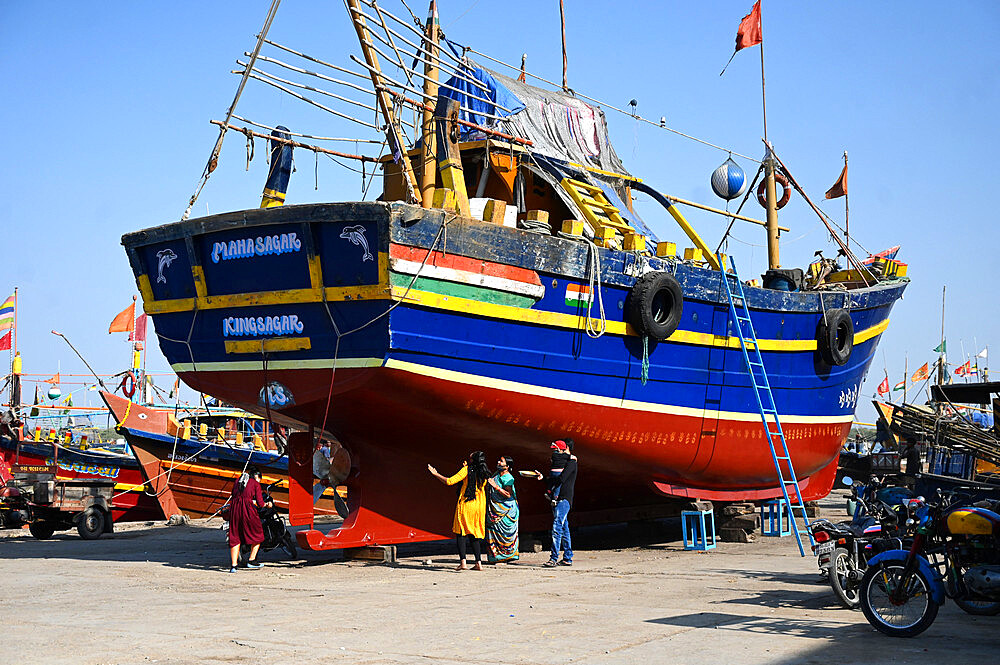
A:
{"x": 132, "y": 500}
{"x": 415, "y": 333}
{"x": 195, "y": 467}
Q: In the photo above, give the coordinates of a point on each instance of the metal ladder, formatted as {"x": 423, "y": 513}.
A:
{"x": 765, "y": 399}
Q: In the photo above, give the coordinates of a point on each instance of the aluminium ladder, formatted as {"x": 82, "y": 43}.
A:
{"x": 765, "y": 400}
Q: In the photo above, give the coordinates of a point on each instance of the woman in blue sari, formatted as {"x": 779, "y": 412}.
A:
{"x": 502, "y": 514}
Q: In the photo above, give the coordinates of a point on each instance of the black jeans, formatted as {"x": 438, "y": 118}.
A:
{"x": 477, "y": 547}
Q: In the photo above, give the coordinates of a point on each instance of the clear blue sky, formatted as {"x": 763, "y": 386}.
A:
{"x": 106, "y": 131}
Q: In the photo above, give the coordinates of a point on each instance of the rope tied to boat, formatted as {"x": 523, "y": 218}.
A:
{"x": 645, "y": 359}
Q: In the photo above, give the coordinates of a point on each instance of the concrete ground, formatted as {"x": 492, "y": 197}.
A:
{"x": 158, "y": 594}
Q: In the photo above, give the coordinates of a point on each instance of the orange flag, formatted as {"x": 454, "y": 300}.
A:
{"x": 840, "y": 187}
{"x": 54, "y": 380}
{"x": 920, "y": 374}
{"x": 125, "y": 321}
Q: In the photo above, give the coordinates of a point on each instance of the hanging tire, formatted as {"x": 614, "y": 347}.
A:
{"x": 656, "y": 304}
{"x": 90, "y": 526}
{"x": 835, "y": 336}
{"x": 41, "y": 529}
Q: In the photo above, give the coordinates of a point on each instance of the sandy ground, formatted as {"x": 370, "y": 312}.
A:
{"x": 161, "y": 594}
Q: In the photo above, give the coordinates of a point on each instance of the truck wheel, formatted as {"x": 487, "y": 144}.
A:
{"x": 91, "y": 524}
{"x": 42, "y": 530}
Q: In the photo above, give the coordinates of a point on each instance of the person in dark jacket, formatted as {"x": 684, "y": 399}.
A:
{"x": 561, "y": 541}
{"x": 244, "y": 520}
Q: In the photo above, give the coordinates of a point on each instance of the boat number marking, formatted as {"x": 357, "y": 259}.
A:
{"x": 356, "y": 234}
{"x": 849, "y": 398}
{"x": 255, "y": 326}
{"x": 246, "y": 248}
{"x": 276, "y": 395}
{"x": 164, "y": 258}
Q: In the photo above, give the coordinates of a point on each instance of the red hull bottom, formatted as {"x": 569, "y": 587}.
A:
{"x": 395, "y": 422}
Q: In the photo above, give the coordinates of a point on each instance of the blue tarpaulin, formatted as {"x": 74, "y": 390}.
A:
{"x": 478, "y": 111}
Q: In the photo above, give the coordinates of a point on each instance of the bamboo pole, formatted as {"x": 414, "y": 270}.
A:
{"x": 428, "y": 156}
{"x": 722, "y": 212}
{"x": 384, "y": 101}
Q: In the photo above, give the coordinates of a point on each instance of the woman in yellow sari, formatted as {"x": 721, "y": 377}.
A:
{"x": 470, "y": 513}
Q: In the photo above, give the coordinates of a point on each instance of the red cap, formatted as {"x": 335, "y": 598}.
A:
{"x": 559, "y": 445}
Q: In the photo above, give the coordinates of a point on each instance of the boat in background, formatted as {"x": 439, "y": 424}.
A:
{"x": 434, "y": 322}
{"x": 194, "y": 462}
{"x": 132, "y": 500}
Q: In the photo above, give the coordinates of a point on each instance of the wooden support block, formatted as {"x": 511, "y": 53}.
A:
{"x": 604, "y": 236}
{"x": 530, "y": 543}
{"x": 748, "y": 522}
{"x": 735, "y": 536}
{"x": 538, "y": 216}
{"x": 445, "y": 199}
{"x": 666, "y": 249}
{"x": 494, "y": 211}
{"x": 376, "y": 553}
{"x": 739, "y": 509}
{"x": 812, "y": 509}
{"x": 693, "y": 254}
{"x": 700, "y": 505}
{"x": 573, "y": 227}
{"x": 634, "y": 242}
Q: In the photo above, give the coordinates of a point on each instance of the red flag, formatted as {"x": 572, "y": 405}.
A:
{"x": 965, "y": 369}
{"x": 125, "y": 321}
{"x": 840, "y": 187}
{"x": 921, "y": 374}
{"x": 139, "y": 334}
{"x": 5, "y": 341}
{"x": 883, "y": 388}
{"x": 749, "y": 32}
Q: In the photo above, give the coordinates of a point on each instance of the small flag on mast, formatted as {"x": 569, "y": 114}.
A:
{"x": 748, "y": 34}
{"x": 139, "y": 334}
{"x": 5, "y": 341}
{"x": 883, "y": 388}
{"x": 921, "y": 374}
{"x": 125, "y": 321}
{"x": 982, "y": 354}
{"x": 840, "y": 187}
{"x": 7, "y": 314}
{"x": 54, "y": 380}
{"x": 900, "y": 385}
{"x": 942, "y": 347}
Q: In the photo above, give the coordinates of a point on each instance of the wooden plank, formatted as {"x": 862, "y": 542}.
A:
{"x": 376, "y": 553}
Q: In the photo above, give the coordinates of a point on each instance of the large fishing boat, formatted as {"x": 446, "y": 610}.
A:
{"x": 503, "y": 292}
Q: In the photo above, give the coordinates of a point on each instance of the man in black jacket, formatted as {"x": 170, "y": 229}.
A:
{"x": 560, "y": 514}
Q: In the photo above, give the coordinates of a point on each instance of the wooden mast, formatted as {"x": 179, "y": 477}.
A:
{"x": 384, "y": 101}
{"x": 428, "y": 152}
{"x": 773, "y": 258}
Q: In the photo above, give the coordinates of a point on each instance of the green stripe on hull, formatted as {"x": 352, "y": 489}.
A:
{"x": 471, "y": 292}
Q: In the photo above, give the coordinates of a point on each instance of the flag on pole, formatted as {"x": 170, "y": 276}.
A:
{"x": 942, "y": 347}
{"x": 964, "y": 369}
{"x": 5, "y": 341}
{"x": 54, "y": 380}
{"x": 921, "y": 374}
{"x": 840, "y": 187}
{"x": 139, "y": 334}
{"x": 34, "y": 408}
{"x": 883, "y": 388}
{"x": 748, "y": 34}
{"x": 173, "y": 391}
{"x": 125, "y": 321}
{"x": 7, "y": 314}
{"x": 982, "y": 354}
{"x": 900, "y": 385}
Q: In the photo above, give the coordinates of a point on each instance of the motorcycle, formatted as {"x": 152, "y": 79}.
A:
{"x": 842, "y": 549}
{"x": 955, "y": 554}
{"x": 275, "y": 529}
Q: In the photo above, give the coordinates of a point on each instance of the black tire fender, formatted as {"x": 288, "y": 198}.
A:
{"x": 835, "y": 336}
{"x": 656, "y": 304}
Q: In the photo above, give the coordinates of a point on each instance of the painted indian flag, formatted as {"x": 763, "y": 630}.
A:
{"x": 578, "y": 295}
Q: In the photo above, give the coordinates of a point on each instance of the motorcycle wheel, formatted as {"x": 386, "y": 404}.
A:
{"x": 288, "y": 544}
{"x": 986, "y": 608}
{"x": 910, "y": 617}
{"x": 844, "y": 588}
{"x": 42, "y": 530}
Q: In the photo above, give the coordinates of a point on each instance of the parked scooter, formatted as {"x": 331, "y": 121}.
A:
{"x": 273, "y": 523}
{"x": 955, "y": 553}
{"x": 843, "y": 548}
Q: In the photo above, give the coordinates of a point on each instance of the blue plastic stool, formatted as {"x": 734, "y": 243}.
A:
{"x": 774, "y": 518}
{"x": 697, "y": 523}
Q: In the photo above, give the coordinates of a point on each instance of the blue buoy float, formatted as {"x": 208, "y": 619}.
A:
{"x": 729, "y": 180}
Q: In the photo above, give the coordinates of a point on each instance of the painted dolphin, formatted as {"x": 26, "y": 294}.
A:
{"x": 356, "y": 234}
{"x": 165, "y": 258}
